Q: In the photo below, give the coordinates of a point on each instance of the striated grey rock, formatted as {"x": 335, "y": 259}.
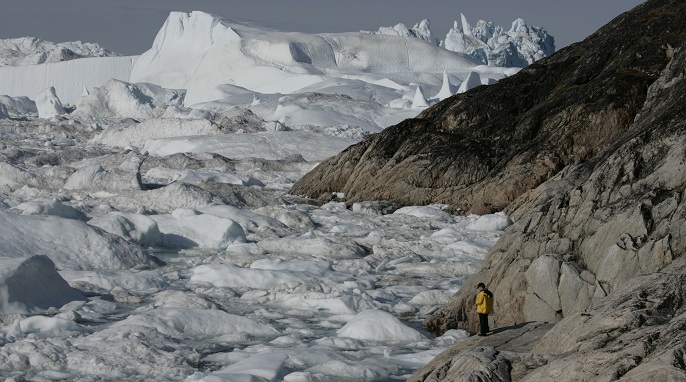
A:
{"x": 505, "y": 355}
{"x": 616, "y": 216}
{"x": 597, "y": 249}
{"x": 543, "y": 276}
{"x": 636, "y": 334}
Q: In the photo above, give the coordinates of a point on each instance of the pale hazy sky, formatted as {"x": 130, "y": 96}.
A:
{"x": 129, "y": 26}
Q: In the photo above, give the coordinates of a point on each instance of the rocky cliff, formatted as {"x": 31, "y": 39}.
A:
{"x": 599, "y": 222}
{"x": 586, "y": 151}
{"x": 598, "y": 250}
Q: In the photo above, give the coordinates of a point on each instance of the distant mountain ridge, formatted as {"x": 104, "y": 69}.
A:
{"x": 33, "y": 51}
{"x": 520, "y": 46}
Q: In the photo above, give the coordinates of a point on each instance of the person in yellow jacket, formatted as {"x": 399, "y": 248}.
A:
{"x": 484, "y": 306}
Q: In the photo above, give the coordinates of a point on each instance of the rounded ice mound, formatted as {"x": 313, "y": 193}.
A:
{"x": 119, "y": 99}
{"x": 31, "y": 284}
{"x": 133, "y": 227}
{"x": 424, "y": 212}
{"x": 493, "y": 222}
{"x": 53, "y": 207}
{"x": 198, "y": 323}
{"x": 377, "y": 325}
{"x": 182, "y": 230}
{"x": 138, "y": 134}
{"x": 48, "y": 104}
{"x": 50, "y": 326}
{"x": 267, "y": 366}
{"x": 69, "y": 243}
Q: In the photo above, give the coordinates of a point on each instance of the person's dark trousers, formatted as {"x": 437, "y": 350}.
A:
{"x": 483, "y": 324}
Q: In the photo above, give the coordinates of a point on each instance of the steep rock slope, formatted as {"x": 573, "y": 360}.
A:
{"x": 596, "y": 224}
{"x": 493, "y": 143}
{"x": 634, "y": 335}
{"x": 597, "y": 250}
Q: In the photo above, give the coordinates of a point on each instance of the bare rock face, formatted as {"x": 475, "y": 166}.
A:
{"x": 490, "y": 145}
{"x": 598, "y": 250}
{"x": 635, "y": 334}
{"x": 595, "y": 226}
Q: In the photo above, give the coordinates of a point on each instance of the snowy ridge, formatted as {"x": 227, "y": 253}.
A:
{"x": 215, "y": 59}
{"x": 199, "y": 51}
{"x": 421, "y": 30}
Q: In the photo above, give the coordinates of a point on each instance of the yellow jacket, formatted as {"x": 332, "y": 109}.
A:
{"x": 484, "y": 302}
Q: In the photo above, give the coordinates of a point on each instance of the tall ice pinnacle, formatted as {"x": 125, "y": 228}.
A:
{"x": 466, "y": 28}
